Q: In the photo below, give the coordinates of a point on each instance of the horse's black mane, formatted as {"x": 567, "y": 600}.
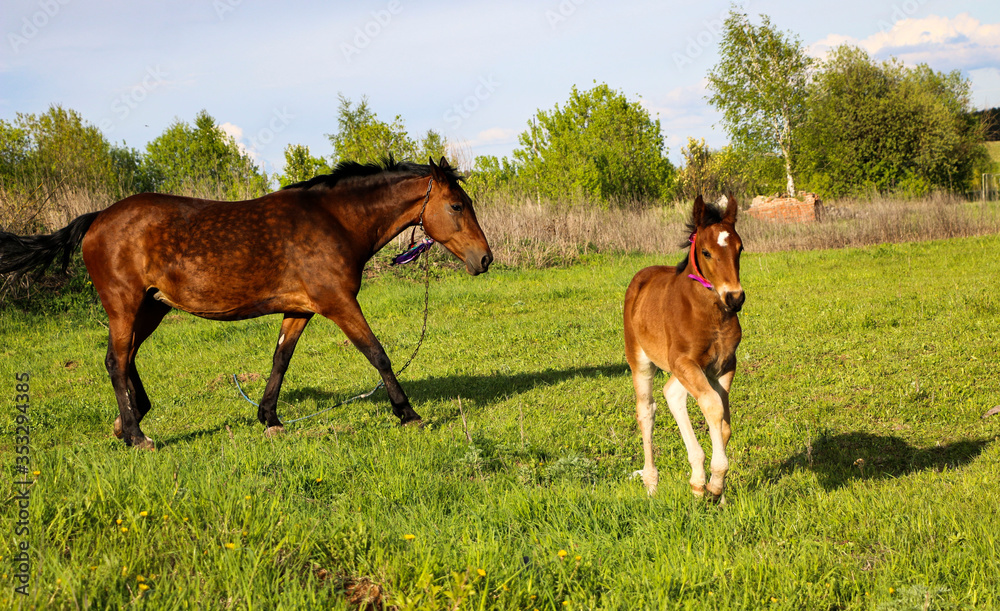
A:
{"x": 712, "y": 214}
{"x": 353, "y": 169}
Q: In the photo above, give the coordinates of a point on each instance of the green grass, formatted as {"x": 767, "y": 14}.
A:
{"x": 863, "y": 476}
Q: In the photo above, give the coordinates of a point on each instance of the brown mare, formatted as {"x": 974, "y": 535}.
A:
{"x": 683, "y": 320}
{"x": 298, "y": 252}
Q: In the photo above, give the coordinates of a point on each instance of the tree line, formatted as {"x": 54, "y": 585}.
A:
{"x": 845, "y": 125}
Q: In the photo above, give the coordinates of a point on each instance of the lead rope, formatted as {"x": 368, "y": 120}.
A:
{"x": 423, "y": 329}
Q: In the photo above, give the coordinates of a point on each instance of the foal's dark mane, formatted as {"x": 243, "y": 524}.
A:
{"x": 388, "y": 166}
{"x": 712, "y": 214}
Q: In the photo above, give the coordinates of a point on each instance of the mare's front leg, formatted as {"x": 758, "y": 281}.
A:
{"x": 346, "y": 312}
{"x": 713, "y": 399}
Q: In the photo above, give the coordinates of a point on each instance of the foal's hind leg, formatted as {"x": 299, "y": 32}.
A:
{"x": 643, "y": 372}
{"x": 291, "y": 328}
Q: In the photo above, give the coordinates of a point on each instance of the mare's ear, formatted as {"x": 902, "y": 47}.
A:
{"x": 731, "y": 209}
{"x": 437, "y": 173}
{"x": 698, "y": 212}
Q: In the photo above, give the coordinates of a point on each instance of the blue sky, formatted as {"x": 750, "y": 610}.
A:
{"x": 475, "y": 71}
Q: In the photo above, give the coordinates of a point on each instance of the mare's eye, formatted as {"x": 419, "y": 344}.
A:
{"x": 456, "y": 207}
{"x": 706, "y": 254}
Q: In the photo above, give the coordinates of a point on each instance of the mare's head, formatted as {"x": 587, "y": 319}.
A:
{"x": 715, "y": 251}
{"x": 450, "y": 219}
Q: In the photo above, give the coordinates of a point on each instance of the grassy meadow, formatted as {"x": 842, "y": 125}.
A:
{"x": 863, "y": 475}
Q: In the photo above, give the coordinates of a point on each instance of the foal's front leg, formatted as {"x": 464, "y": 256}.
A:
{"x": 713, "y": 399}
{"x": 677, "y": 396}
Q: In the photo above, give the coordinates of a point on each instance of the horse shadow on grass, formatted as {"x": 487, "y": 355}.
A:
{"x": 475, "y": 389}
{"x": 180, "y": 438}
{"x": 839, "y": 459}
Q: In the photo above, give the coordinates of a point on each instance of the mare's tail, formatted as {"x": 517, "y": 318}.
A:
{"x": 21, "y": 254}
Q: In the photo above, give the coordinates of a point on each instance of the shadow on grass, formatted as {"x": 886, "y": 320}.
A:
{"x": 179, "y": 438}
{"x": 839, "y": 459}
{"x": 475, "y": 389}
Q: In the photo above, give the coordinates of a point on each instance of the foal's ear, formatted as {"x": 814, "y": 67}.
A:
{"x": 731, "y": 209}
{"x": 698, "y": 212}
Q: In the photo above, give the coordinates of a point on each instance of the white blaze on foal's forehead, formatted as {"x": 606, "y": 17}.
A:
{"x": 723, "y": 238}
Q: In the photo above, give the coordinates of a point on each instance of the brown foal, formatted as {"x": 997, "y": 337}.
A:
{"x": 683, "y": 320}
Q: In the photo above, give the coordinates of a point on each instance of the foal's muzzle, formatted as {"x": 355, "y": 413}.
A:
{"x": 734, "y": 300}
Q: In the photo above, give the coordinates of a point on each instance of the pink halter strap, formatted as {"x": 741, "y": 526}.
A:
{"x": 696, "y": 276}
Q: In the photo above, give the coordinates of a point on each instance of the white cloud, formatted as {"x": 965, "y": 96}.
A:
{"x": 985, "y": 87}
{"x": 495, "y": 135}
{"x": 237, "y": 134}
{"x": 944, "y": 43}
{"x": 492, "y": 137}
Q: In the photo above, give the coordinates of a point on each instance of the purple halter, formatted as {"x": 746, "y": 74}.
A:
{"x": 696, "y": 276}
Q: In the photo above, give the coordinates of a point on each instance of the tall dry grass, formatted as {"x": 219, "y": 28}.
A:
{"x": 540, "y": 235}
{"x": 47, "y": 207}
{"x": 523, "y": 233}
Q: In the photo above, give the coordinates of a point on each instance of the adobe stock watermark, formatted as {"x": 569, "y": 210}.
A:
{"x": 280, "y": 120}
{"x": 22, "y": 485}
{"x": 465, "y": 109}
{"x": 364, "y": 35}
{"x": 224, "y": 7}
{"x": 899, "y": 13}
{"x": 123, "y": 105}
{"x": 34, "y": 23}
{"x": 562, "y": 12}
{"x": 707, "y": 36}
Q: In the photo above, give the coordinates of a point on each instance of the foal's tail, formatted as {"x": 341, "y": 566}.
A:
{"x": 21, "y": 254}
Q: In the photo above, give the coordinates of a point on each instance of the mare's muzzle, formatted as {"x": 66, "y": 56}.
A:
{"x": 481, "y": 266}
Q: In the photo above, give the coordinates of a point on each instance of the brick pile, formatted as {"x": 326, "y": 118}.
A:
{"x": 787, "y": 209}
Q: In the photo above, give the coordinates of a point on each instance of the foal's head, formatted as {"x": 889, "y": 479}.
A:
{"x": 450, "y": 219}
{"x": 715, "y": 251}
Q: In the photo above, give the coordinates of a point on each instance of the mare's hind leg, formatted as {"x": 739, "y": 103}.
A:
{"x": 643, "y": 372}
{"x": 151, "y": 313}
{"x": 120, "y": 349}
{"x": 676, "y": 396}
{"x": 291, "y": 328}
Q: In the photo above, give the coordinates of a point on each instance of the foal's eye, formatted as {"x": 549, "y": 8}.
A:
{"x": 456, "y": 207}
{"x": 706, "y": 254}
